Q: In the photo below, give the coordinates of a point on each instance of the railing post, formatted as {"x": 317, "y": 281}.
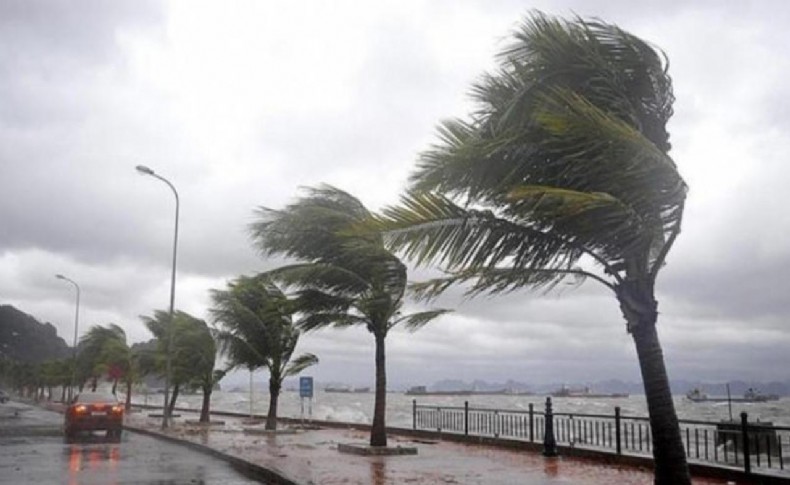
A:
{"x": 617, "y": 430}
{"x": 747, "y": 464}
{"x": 413, "y": 414}
{"x": 466, "y": 418}
{"x": 549, "y": 443}
{"x": 531, "y": 423}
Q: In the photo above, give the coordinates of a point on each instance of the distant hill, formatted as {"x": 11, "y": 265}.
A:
{"x": 25, "y": 339}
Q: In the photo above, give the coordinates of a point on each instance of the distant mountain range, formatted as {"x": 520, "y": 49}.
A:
{"x": 25, "y": 339}
{"x": 737, "y": 387}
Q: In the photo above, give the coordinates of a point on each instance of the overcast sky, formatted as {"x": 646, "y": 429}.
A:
{"x": 241, "y": 103}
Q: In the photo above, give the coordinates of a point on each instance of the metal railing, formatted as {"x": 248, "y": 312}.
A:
{"x": 751, "y": 446}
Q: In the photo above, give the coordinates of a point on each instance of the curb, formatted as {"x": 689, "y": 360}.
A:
{"x": 246, "y": 467}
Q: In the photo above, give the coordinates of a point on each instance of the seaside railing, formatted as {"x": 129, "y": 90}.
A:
{"x": 749, "y": 445}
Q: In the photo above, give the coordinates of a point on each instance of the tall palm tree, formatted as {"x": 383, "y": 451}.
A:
{"x": 344, "y": 278}
{"x": 561, "y": 172}
{"x": 256, "y": 330}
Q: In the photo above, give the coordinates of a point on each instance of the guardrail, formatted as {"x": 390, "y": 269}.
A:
{"x": 750, "y": 446}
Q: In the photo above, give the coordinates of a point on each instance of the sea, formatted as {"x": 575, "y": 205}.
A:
{"x": 354, "y": 407}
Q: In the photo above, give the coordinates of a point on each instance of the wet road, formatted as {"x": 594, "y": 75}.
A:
{"x": 32, "y": 450}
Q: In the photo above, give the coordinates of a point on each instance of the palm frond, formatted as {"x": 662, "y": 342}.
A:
{"x": 431, "y": 228}
{"x": 415, "y": 321}
{"x": 299, "y": 364}
{"x": 313, "y": 321}
{"x": 502, "y": 280}
{"x": 325, "y": 276}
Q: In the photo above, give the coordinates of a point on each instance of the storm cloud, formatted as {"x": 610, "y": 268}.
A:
{"x": 241, "y": 104}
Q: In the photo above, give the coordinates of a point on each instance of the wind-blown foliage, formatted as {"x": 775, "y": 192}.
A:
{"x": 92, "y": 359}
{"x": 105, "y": 352}
{"x": 192, "y": 354}
{"x": 342, "y": 277}
{"x": 256, "y": 330}
{"x": 561, "y": 172}
{"x": 198, "y": 352}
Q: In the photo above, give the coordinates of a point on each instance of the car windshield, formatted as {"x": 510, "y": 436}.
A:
{"x": 95, "y": 397}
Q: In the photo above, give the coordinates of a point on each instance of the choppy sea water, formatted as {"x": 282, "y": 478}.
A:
{"x": 358, "y": 407}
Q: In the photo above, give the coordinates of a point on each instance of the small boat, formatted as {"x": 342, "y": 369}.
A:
{"x": 696, "y": 395}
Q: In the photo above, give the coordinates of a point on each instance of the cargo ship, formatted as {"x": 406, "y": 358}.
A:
{"x": 585, "y": 392}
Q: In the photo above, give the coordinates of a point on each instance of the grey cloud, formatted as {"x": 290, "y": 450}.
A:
{"x": 72, "y": 30}
{"x": 73, "y": 123}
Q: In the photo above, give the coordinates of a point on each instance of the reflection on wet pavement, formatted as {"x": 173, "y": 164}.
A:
{"x": 98, "y": 459}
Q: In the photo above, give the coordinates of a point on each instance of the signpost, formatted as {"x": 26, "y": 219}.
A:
{"x": 306, "y": 391}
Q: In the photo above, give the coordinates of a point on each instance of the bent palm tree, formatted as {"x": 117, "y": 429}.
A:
{"x": 343, "y": 278}
{"x": 201, "y": 360}
{"x": 257, "y": 330}
{"x": 562, "y": 172}
{"x": 122, "y": 361}
{"x": 192, "y": 349}
{"x": 92, "y": 361}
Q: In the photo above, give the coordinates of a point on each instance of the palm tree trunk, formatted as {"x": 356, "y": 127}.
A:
{"x": 378, "y": 432}
{"x": 128, "y": 395}
{"x": 671, "y": 467}
{"x": 173, "y": 398}
{"x": 205, "y": 409}
{"x": 274, "y": 394}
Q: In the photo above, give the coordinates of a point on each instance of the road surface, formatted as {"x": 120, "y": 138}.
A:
{"x": 32, "y": 450}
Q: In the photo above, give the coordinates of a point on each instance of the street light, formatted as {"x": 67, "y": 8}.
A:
{"x": 143, "y": 170}
{"x": 76, "y": 329}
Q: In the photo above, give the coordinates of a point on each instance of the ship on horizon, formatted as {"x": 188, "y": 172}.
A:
{"x": 347, "y": 389}
{"x": 585, "y": 392}
{"x": 751, "y": 395}
{"x": 423, "y": 391}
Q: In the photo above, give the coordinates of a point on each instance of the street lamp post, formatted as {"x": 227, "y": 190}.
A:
{"x": 142, "y": 169}
{"x": 76, "y": 330}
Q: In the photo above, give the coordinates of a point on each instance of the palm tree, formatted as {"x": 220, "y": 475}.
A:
{"x": 93, "y": 359}
{"x": 200, "y": 360}
{"x": 56, "y": 373}
{"x": 193, "y": 349}
{"x": 257, "y": 330}
{"x": 562, "y": 172}
{"x": 123, "y": 363}
{"x": 344, "y": 278}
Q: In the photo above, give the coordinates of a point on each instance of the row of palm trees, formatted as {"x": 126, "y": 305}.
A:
{"x": 103, "y": 353}
{"x": 37, "y": 381}
{"x": 561, "y": 173}
{"x": 253, "y": 329}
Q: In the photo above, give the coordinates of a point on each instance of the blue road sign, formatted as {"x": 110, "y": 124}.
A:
{"x": 305, "y": 387}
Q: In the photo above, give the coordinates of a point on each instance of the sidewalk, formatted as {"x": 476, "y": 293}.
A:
{"x": 311, "y": 457}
